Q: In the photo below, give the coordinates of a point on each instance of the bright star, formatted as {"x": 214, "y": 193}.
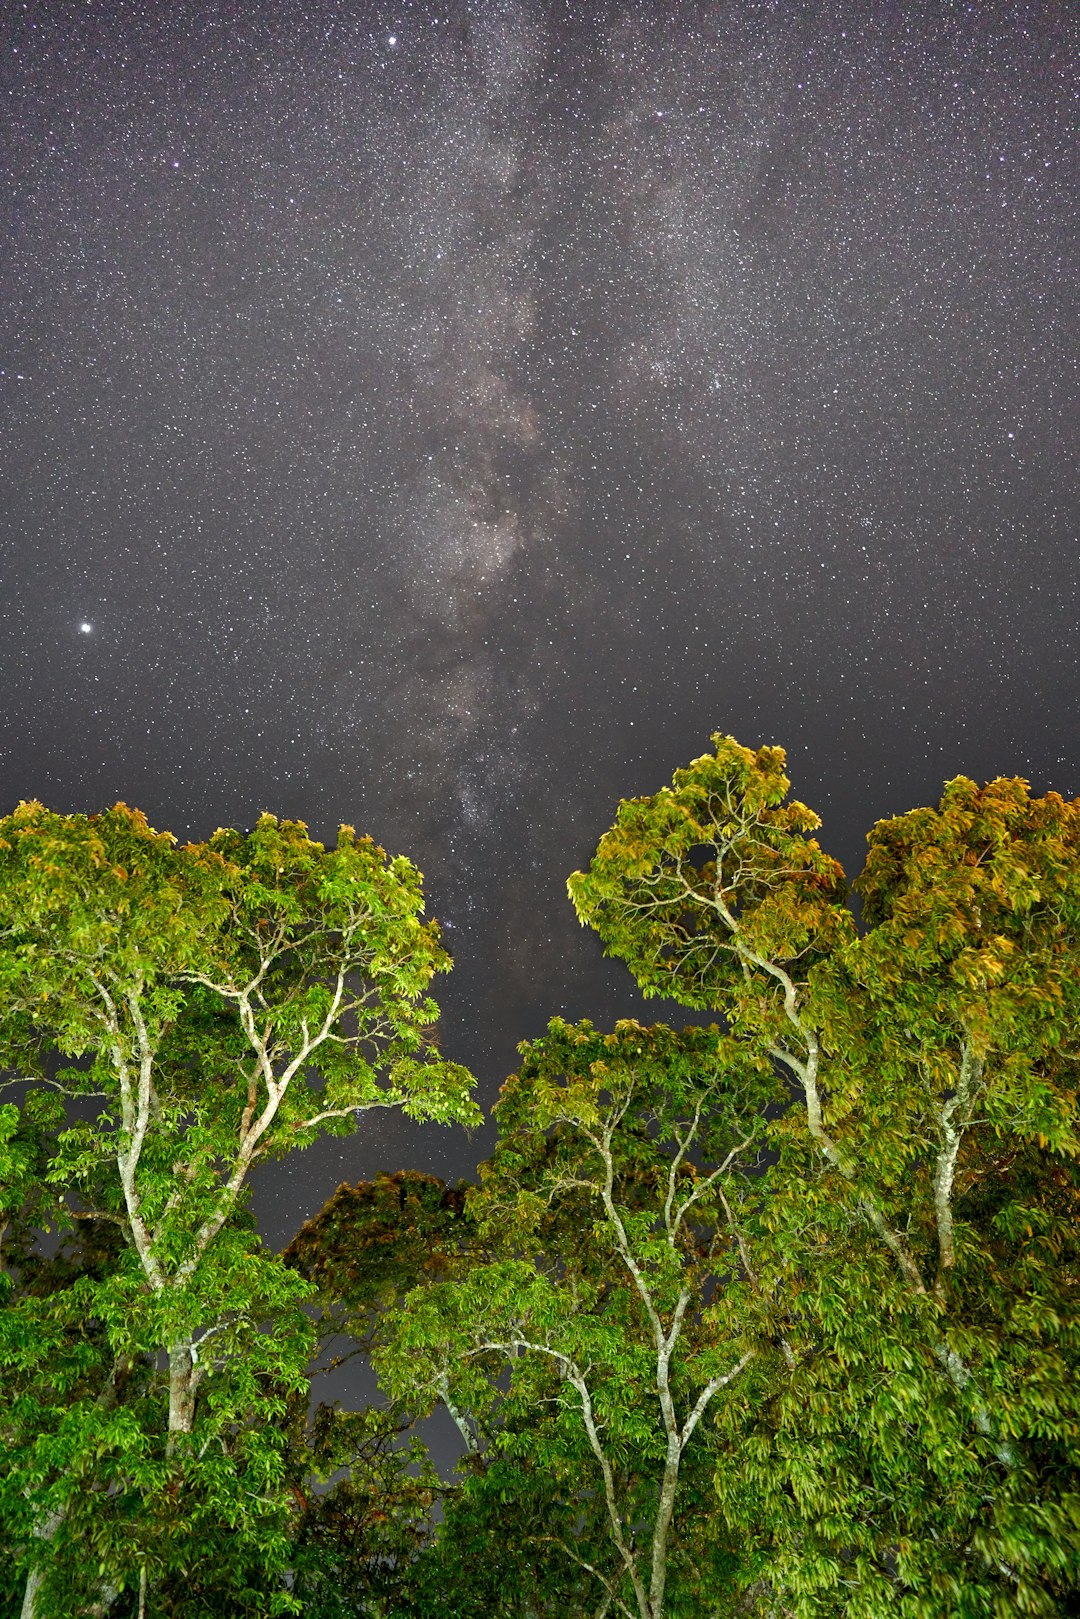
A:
{"x": 85, "y": 629}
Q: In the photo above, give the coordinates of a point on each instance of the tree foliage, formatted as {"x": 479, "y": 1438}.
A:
{"x": 615, "y": 1295}
{"x": 928, "y": 1223}
{"x": 771, "y": 1319}
{"x": 217, "y": 1005}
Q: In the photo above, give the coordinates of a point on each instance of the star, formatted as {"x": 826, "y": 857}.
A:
{"x": 85, "y": 628}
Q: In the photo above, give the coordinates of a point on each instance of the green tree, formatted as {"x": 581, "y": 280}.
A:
{"x": 928, "y": 1226}
{"x": 500, "y": 1548}
{"x": 619, "y": 1302}
{"x": 357, "y": 1542}
{"x": 374, "y": 1543}
{"x": 219, "y": 1005}
{"x": 366, "y": 1489}
{"x": 371, "y": 1243}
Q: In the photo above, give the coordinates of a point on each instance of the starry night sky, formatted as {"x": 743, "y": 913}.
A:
{"x": 442, "y": 417}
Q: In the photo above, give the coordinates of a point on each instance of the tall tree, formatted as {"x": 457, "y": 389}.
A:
{"x": 363, "y": 1546}
{"x": 224, "y": 1004}
{"x": 619, "y": 1302}
{"x": 934, "y": 1054}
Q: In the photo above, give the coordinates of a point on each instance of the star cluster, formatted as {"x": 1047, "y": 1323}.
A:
{"x": 443, "y": 416}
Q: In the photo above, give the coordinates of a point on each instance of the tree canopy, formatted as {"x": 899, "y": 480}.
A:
{"x": 770, "y": 1318}
{"x": 627, "y": 1337}
{"x": 934, "y": 1055}
{"x": 201, "y": 1009}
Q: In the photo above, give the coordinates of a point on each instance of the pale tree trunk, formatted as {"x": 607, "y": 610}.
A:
{"x": 36, "y": 1577}
{"x": 29, "y": 1602}
{"x": 665, "y": 1511}
{"x": 183, "y": 1380}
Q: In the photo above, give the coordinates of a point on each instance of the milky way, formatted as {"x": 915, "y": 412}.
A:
{"x": 442, "y": 418}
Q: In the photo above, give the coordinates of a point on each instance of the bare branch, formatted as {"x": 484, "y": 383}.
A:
{"x": 53, "y": 1084}
{"x": 99, "y": 1214}
{"x": 610, "y": 1595}
{"x": 457, "y": 1416}
{"x": 713, "y": 1387}
{"x": 673, "y": 1170}
{"x": 702, "y": 1187}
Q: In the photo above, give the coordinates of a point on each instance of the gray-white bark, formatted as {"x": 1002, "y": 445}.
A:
{"x": 44, "y": 1531}
{"x": 183, "y": 1384}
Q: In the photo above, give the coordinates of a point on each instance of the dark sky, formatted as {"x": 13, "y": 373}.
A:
{"x": 443, "y": 417}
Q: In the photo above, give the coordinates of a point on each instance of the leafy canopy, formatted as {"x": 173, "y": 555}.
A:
{"x": 923, "y": 1217}
{"x": 183, "y": 1014}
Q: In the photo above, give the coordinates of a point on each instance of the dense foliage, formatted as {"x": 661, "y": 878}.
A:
{"x": 775, "y": 1316}
{"x": 927, "y": 1224}
{"x": 182, "y": 1014}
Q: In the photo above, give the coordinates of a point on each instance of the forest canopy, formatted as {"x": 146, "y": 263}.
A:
{"x": 772, "y": 1315}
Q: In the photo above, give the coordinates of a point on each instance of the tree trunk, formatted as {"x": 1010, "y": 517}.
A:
{"x": 33, "y": 1586}
{"x": 182, "y": 1384}
{"x": 36, "y": 1577}
{"x": 665, "y": 1510}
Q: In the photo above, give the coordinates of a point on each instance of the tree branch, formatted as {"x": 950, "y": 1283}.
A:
{"x": 945, "y": 1167}
{"x": 576, "y": 1378}
{"x": 610, "y": 1594}
{"x": 714, "y": 1386}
